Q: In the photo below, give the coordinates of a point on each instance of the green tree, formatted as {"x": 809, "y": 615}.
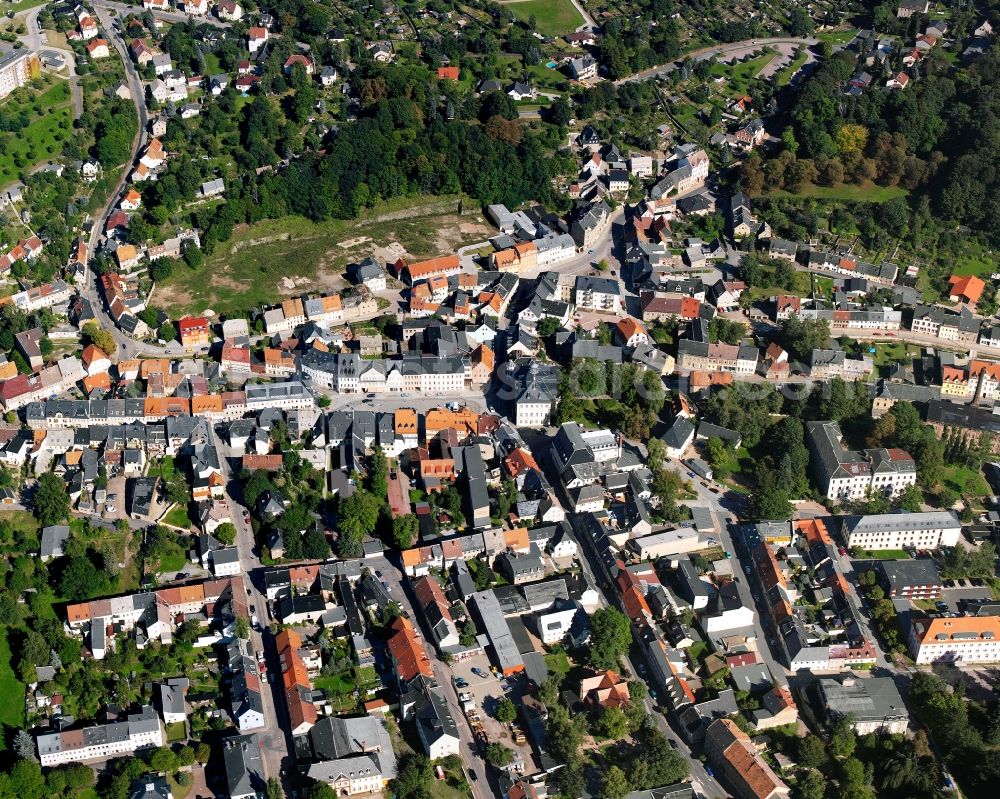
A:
{"x": 272, "y": 790}
{"x": 611, "y": 723}
{"x": 414, "y": 778}
{"x": 506, "y": 711}
{"x": 405, "y": 529}
{"x": 51, "y": 501}
{"x": 614, "y": 784}
{"x": 498, "y": 755}
{"x": 226, "y": 533}
{"x": 610, "y": 638}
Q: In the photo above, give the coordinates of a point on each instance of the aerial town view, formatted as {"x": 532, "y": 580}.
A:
{"x": 499, "y": 399}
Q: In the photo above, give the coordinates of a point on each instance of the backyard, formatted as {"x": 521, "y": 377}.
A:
{"x": 49, "y": 115}
{"x": 268, "y": 261}
{"x": 11, "y": 689}
{"x": 866, "y": 193}
{"x": 552, "y": 17}
{"x": 967, "y": 482}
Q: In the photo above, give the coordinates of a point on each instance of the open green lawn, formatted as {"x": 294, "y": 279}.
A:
{"x": 173, "y": 561}
{"x": 883, "y": 554}
{"x": 740, "y": 74}
{"x": 178, "y": 517}
{"x": 552, "y": 17}
{"x": 965, "y": 481}
{"x": 336, "y": 684}
{"x": 972, "y": 265}
{"x": 25, "y": 525}
{"x": 11, "y": 689}
{"x": 887, "y": 353}
{"x": 176, "y": 731}
{"x": 848, "y": 192}
{"x": 268, "y": 261}
{"x": 51, "y": 116}
{"x": 837, "y": 37}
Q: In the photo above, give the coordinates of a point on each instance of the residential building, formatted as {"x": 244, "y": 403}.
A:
{"x": 730, "y": 750}
{"x": 351, "y": 755}
{"x": 243, "y": 763}
{"x": 853, "y": 474}
{"x": 955, "y": 639}
{"x": 598, "y": 294}
{"x": 141, "y": 730}
{"x": 917, "y": 578}
{"x": 930, "y": 530}
{"x": 18, "y": 67}
{"x": 873, "y": 704}
{"x": 194, "y": 331}
{"x": 583, "y": 68}
{"x": 435, "y": 725}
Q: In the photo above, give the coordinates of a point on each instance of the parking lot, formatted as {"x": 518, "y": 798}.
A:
{"x": 486, "y": 693}
{"x": 967, "y": 591}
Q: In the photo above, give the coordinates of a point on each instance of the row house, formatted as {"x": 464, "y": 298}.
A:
{"x": 44, "y": 296}
{"x": 739, "y": 359}
{"x": 21, "y": 390}
{"x": 936, "y": 322}
{"x": 349, "y": 373}
{"x": 823, "y": 260}
{"x": 884, "y": 319}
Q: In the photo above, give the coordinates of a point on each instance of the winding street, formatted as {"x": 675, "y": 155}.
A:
{"x": 126, "y": 346}
{"x": 168, "y": 16}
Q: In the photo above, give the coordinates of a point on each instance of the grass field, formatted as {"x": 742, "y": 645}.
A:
{"x": 11, "y": 689}
{"x": 789, "y": 71}
{"x": 739, "y": 75}
{"x": 889, "y": 353}
{"x": 837, "y": 37}
{"x": 176, "y": 731}
{"x": 972, "y": 265}
{"x": 51, "y": 116}
{"x": 266, "y": 262}
{"x": 965, "y": 481}
{"x": 552, "y": 17}
{"x": 850, "y": 193}
{"x": 883, "y": 554}
{"x": 178, "y": 517}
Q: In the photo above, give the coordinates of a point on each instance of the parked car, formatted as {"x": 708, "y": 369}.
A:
{"x": 480, "y": 673}
{"x": 461, "y": 683}
{"x": 708, "y": 770}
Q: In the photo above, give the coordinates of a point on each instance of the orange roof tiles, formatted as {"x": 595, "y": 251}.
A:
{"x": 206, "y": 403}
{"x": 408, "y": 653}
{"x": 814, "y": 530}
{"x": 433, "y": 266}
{"x": 968, "y": 287}
{"x": 517, "y": 538}
{"x": 405, "y": 421}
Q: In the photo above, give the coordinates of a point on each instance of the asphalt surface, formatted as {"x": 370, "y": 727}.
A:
{"x": 275, "y": 737}
{"x": 713, "y": 52}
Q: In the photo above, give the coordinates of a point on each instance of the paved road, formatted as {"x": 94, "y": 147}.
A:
{"x": 712, "y": 52}
{"x": 169, "y": 16}
{"x": 35, "y": 40}
{"x": 704, "y": 785}
{"x": 274, "y": 739}
{"x": 127, "y": 348}
{"x": 398, "y": 584}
